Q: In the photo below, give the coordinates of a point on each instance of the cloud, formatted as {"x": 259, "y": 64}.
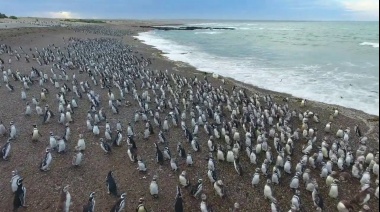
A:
{"x": 61, "y": 14}
{"x": 369, "y": 8}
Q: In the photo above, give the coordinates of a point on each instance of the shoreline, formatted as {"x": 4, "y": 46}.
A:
{"x": 372, "y": 121}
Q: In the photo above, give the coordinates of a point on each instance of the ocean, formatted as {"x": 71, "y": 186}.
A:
{"x": 330, "y": 62}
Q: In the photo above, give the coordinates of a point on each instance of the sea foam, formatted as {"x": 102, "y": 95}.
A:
{"x": 374, "y": 45}
{"x": 304, "y": 81}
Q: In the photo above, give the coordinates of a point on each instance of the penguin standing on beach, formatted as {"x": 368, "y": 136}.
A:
{"x": 36, "y": 134}
{"x": 6, "y": 150}
{"x": 13, "y": 131}
{"x": 65, "y": 199}
{"x": 111, "y": 184}
{"x": 178, "y": 206}
{"x": 19, "y": 195}
{"x": 120, "y": 204}
{"x": 46, "y": 161}
{"x": 14, "y": 180}
{"x": 141, "y": 207}
{"x": 90, "y": 206}
{"x": 105, "y": 147}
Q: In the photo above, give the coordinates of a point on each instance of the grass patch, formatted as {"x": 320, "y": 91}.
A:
{"x": 90, "y": 21}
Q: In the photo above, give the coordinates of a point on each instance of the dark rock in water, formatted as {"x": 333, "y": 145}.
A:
{"x": 166, "y": 28}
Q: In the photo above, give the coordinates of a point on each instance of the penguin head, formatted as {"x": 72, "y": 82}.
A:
{"x": 183, "y": 173}
{"x": 141, "y": 200}
{"x": 200, "y": 180}
{"x": 123, "y": 195}
{"x": 47, "y": 150}
{"x": 297, "y": 192}
{"x": 66, "y": 188}
{"x": 92, "y": 194}
{"x": 14, "y": 172}
{"x": 51, "y": 133}
{"x": 203, "y": 197}
{"x": 219, "y": 182}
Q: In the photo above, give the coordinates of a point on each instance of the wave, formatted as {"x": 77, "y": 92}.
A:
{"x": 312, "y": 79}
{"x": 209, "y": 33}
{"x": 374, "y": 45}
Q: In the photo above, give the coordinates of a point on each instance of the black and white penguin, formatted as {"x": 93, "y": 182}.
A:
{"x": 178, "y": 206}
{"x": 120, "y": 204}
{"x": 153, "y": 187}
{"x": 65, "y": 200}
{"x": 90, "y": 206}
{"x": 317, "y": 199}
{"x": 19, "y": 195}
{"x": 35, "y": 134}
{"x": 219, "y": 188}
{"x": 141, "y": 207}
{"x": 159, "y": 155}
{"x": 238, "y": 167}
{"x": 167, "y": 154}
{"x": 183, "y": 180}
{"x": 119, "y": 137}
{"x": 14, "y": 180}
{"x": 6, "y": 150}
{"x": 46, "y": 161}
{"x": 197, "y": 189}
{"x": 77, "y": 159}
{"x": 111, "y": 184}
{"x": 105, "y": 147}
{"x": 141, "y": 165}
{"x": 48, "y": 115}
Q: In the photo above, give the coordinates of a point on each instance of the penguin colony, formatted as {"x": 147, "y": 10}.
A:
{"x": 200, "y": 135}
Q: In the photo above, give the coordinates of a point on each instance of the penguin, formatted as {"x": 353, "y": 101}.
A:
{"x": 183, "y": 180}
{"x": 46, "y": 161}
{"x": 197, "y": 189}
{"x": 3, "y": 131}
{"x": 195, "y": 144}
{"x": 333, "y": 193}
{"x": 256, "y": 178}
{"x": 220, "y": 154}
{"x": 81, "y": 144}
{"x": 153, "y": 187}
{"x": 47, "y": 116}
{"x": 120, "y": 204}
{"x": 6, "y": 150}
{"x": 178, "y": 206}
{"x": 288, "y": 166}
{"x": 111, "y": 184}
{"x": 132, "y": 153}
{"x": 294, "y": 183}
{"x": 95, "y": 130}
{"x": 363, "y": 197}
{"x": 19, "y": 195}
{"x": 105, "y": 147}
{"x": 141, "y": 207}
{"x": 317, "y": 199}
{"x": 28, "y": 110}
{"x": 219, "y": 188}
{"x": 274, "y": 205}
{"x": 268, "y": 190}
{"x": 65, "y": 199}
{"x": 13, "y": 131}
{"x": 238, "y": 168}
{"x": 276, "y": 176}
{"x": 90, "y": 206}
{"x": 119, "y": 137}
{"x": 35, "y": 134}
{"x": 296, "y": 201}
{"x": 77, "y": 159}
{"x": 204, "y": 207}
{"x": 331, "y": 177}
{"x": 189, "y": 159}
{"x": 61, "y": 146}
{"x": 159, "y": 155}
{"x": 141, "y": 165}
{"x": 345, "y": 206}
{"x": 14, "y": 180}
{"x": 173, "y": 164}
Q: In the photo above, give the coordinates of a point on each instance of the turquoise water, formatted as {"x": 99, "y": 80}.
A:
{"x": 331, "y": 62}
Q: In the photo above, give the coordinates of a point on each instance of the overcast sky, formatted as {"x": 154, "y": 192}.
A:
{"x": 196, "y": 9}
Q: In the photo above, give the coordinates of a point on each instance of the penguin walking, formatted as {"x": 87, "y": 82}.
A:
{"x": 183, "y": 180}
{"x": 19, "y": 195}
{"x": 111, "y": 184}
{"x": 36, "y": 134}
{"x": 13, "y": 131}
{"x": 178, "y": 206}
{"x": 105, "y": 147}
{"x": 141, "y": 165}
{"x": 256, "y": 178}
{"x": 46, "y": 161}
{"x": 81, "y": 145}
{"x": 153, "y": 187}
{"x": 90, "y": 206}
{"x": 141, "y": 207}
{"x": 294, "y": 183}
{"x": 333, "y": 193}
{"x": 317, "y": 199}
{"x": 219, "y": 188}
{"x": 6, "y": 150}
{"x": 65, "y": 199}
{"x": 197, "y": 189}
{"x": 268, "y": 190}
{"x": 14, "y": 180}
{"x": 77, "y": 159}
{"x": 120, "y": 204}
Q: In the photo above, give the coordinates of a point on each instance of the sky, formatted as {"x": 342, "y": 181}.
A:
{"x": 335, "y": 10}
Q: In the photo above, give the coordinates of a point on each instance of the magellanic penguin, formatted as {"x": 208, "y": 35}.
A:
{"x": 178, "y": 207}
{"x": 105, "y": 147}
{"x": 19, "y": 195}
{"x": 120, "y": 204}
{"x": 36, "y": 134}
{"x": 363, "y": 197}
{"x": 46, "y": 161}
{"x": 204, "y": 206}
{"x": 111, "y": 184}
{"x": 65, "y": 200}
{"x": 334, "y": 192}
{"x": 153, "y": 187}
{"x": 197, "y": 189}
{"x": 6, "y": 150}
{"x": 219, "y": 188}
{"x": 90, "y": 206}
{"x": 77, "y": 159}
{"x": 183, "y": 180}
{"x": 268, "y": 190}
{"x": 14, "y": 180}
{"x": 141, "y": 165}
{"x": 317, "y": 199}
{"x": 345, "y": 206}
{"x": 13, "y": 131}
{"x": 141, "y": 207}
